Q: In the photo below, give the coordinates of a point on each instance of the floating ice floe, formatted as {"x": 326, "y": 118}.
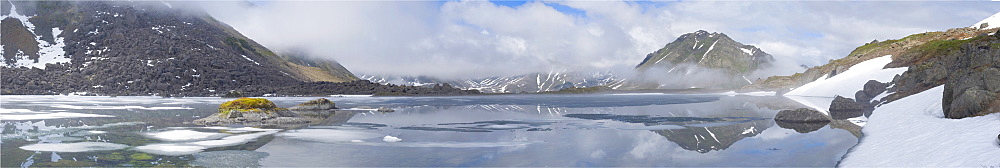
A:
{"x": 391, "y": 139}
{"x": 73, "y": 147}
{"x": 184, "y": 135}
{"x": 183, "y": 148}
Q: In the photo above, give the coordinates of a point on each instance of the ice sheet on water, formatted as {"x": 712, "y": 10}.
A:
{"x": 67, "y": 106}
{"x": 183, "y": 148}
{"x": 170, "y": 149}
{"x": 184, "y": 135}
{"x": 329, "y": 135}
{"x": 73, "y": 147}
{"x": 42, "y": 115}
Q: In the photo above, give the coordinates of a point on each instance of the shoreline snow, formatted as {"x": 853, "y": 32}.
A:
{"x": 912, "y": 132}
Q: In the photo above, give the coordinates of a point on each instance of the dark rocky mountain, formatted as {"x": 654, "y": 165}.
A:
{"x": 704, "y": 51}
{"x": 152, "y": 48}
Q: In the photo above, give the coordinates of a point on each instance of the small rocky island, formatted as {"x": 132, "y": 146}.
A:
{"x": 262, "y": 112}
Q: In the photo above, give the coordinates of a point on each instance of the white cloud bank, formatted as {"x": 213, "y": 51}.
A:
{"x": 479, "y": 39}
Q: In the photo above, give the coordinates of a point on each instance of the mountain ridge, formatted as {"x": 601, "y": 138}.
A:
{"x": 151, "y": 48}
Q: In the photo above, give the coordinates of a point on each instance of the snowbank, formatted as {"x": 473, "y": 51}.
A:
{"x": 851, "y": 81}
{"x": 993, "y": 21}
{"x": 911, "y": 132}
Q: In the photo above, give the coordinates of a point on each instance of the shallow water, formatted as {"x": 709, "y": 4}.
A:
{"x": 510, "y": 130}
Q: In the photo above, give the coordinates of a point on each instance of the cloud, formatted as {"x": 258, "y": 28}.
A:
{"x": 463, "y": 39}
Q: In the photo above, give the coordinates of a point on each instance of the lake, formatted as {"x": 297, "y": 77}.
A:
{"x": 592, "y": 130}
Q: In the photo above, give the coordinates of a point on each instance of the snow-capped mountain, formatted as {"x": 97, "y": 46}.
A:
{"x": 715, "y": 59}
{"x": 534, "y": 82}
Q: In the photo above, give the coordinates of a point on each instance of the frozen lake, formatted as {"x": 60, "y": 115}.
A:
{"x": 508, "y": 130}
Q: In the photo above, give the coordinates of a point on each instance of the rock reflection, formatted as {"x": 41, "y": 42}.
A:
{"x": 802, "y": 127}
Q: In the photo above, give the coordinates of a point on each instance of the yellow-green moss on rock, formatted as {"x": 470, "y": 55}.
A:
{"x": 244, "y": 104}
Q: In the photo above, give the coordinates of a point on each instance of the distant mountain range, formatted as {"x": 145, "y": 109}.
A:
{"x": 694, "y": 60}
{"x": 530, "y": 83}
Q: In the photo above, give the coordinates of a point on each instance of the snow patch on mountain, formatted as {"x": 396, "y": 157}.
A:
{"x": 847, "y": 83}
{"x": 992, "y": 22}
{"x": 48, "y": 53}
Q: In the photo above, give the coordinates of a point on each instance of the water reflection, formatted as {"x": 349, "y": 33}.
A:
{"x": 714, "y": 138}
{"x": 534, "y": 130}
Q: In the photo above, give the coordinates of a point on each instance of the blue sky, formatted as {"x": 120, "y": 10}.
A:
{"x": 494, "y": 38}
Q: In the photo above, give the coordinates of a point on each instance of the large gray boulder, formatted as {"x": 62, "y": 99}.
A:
{"x": 313, "y": 105}
{"x": 970, "y": 103}
{"x": 801, "y": 115}
{"x": 844, "y": 108}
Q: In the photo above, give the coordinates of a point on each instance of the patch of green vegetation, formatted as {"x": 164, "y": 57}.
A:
{"x": 240, "y": 44}
{"x": 994, "y": 45}
{"x": 248, "y": 105}
{"x": 66, "y": 163}
{"x": 141, "y": 156}
{"x": 114, "y": 157}
{"x": 939, "y": 47}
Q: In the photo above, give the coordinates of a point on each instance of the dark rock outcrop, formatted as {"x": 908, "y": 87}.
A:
{"x": 973, "y": 83}
{"x": 314, "y": 105}
{"x": 801, "y": 115}
{"x": 844, "y": 108}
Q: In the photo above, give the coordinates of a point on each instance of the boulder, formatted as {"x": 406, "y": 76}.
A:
{"x": 314, "y": 105}
{"x": 873, "y": 88}
{"x": 384, "y": 109}
{"x": 844, "y": 108}
{"x": 801, "y": 115}
{"x": 251, "y": 112}
{"x": 970, "y": 103}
